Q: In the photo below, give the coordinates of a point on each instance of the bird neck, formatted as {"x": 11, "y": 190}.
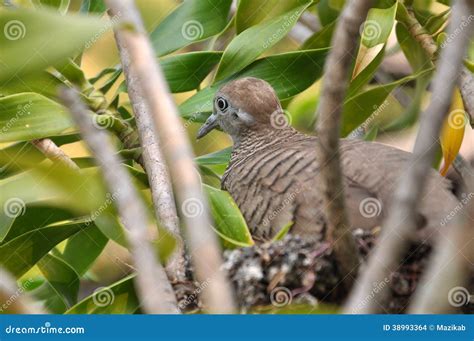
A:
{"x": 252, "y": 140}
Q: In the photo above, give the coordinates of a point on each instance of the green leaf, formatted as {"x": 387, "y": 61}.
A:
{"x": 29, "y": 116}
{"x": 48, "y": 296}
{"x": 415, "y": 54}
{"x": 60, "y": 5}
{"x": 240, "y": 53}
{"x": 93, "y": 6}
{"x": 21, "y": 253}
{"x": 62, "y": 278}
{"x": 118, "y": 298}
{"x": 283, "y": 231}
{"x": 31, "y": 218}
{"x": 220, "y": 157}
{"x": 81, "y": 192}
{"x": 33, "y": 40}
{"x": 192, "y": 21}
{"x": 230, "y": 224}
{"x": 436, "y": 22}
{"x": 366, "y": 74}
{"x": 288, "y": 73}
{"x": 43, "y": 83}
{"x": 371, "y": 134}
{"x": 359, "y": 107}
{"x": 378, "y": 25}
{"x": 83, "y": 248}
{"x": 186, "y": 71}
{"x": 328, "y": 11}
{"x": 320, "y": 39}
{"x": 250, "y": 12}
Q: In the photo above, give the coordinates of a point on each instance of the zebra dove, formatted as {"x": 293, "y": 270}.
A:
{"x": 273, "y": 168}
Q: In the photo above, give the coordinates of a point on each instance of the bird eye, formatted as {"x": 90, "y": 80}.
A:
{"x": 222, "y": 104}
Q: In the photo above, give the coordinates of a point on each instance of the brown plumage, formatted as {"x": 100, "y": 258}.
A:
{"x": 273, "y": 169}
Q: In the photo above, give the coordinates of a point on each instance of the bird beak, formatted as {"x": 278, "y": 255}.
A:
{"x": 210, "y": 124}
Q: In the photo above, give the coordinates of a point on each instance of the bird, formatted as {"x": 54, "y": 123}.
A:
{"x": 273, "y": 169}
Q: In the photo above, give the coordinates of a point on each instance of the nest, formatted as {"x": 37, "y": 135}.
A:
{"x": 295, "y": 271}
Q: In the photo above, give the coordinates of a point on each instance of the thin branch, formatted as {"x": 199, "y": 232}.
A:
{"x": 53, "y": 152}
{"x": 202, "y": 241}
{"x": 12, "y": 300}
{"x": 426, "y": 41}
{"x": 466, "y": 85}
{"x": 400, "y": 223}
{"x": 335, "y": 85}
{"x": 154, "y": 289}
{"x": 153, "y": 162}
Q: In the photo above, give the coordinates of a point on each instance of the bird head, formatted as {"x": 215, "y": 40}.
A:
{"x": 241, "y": 105}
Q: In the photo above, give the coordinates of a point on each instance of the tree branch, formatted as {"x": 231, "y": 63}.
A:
{"x": 400, "y": 223}
{"x": 153, "y": 162}
{"x": 154, "y": 289}
{"x": 335, "y": 84}
{"x": 466, "y": 79}
{"x": 53, "y": 152}
{"x": 203, "y": 245}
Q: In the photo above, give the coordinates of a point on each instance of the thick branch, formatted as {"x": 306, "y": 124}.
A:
{"x": 153, "y": 162}
{"x": 400, "y": 223}
{"x": 53, "y": 152}
{"x": 11, "y": 299}
{"x": 154, "y": 289}
{"x": 335, "y": 84}
{"x": 202, "y": 241}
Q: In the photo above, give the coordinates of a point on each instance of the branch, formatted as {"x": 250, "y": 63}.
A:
{"x": 466, "y": 79}
{"x": 154, "y": 289}
{"x": 335, "y": 84}
{"x": 202, "y": 241}
{"x": 466, "y": 85}
{"x": 153, "y": 162}
{"x": 53, "y": 152}
{"x": 453, "y": 259}
{"x": 400, "y": 223}
{"x": 11, "y": 300}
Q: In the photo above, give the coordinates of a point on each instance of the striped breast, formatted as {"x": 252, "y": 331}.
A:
{"x": 273, "y": 184}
